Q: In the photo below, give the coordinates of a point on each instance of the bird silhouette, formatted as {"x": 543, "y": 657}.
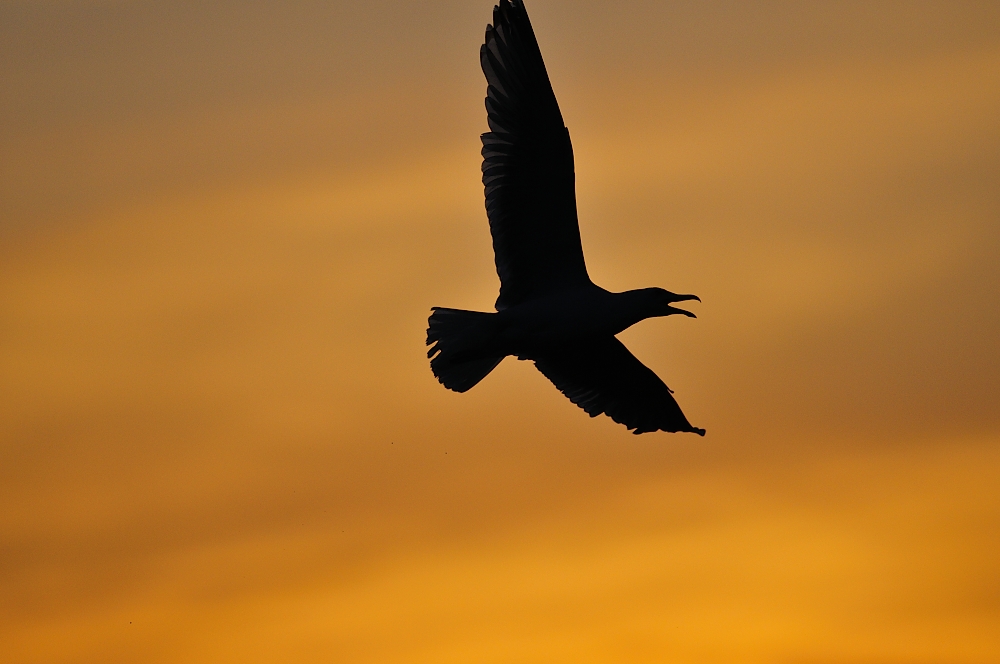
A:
{"x": 548, "y": 311}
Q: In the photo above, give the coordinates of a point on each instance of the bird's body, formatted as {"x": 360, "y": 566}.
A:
{"x": 549, "y": 311}
{"x": 572, "y": 316}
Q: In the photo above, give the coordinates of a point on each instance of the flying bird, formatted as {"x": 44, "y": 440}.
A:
{"x": 548, "y": 311}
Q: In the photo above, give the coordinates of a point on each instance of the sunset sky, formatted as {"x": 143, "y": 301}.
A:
{"x": 222, "y": 227}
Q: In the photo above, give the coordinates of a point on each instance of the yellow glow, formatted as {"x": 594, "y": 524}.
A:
{"x": 220, "y": 440}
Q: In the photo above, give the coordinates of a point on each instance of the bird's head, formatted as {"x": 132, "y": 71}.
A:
{"x": 660, "y": 302}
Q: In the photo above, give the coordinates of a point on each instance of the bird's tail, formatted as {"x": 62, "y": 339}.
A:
{"x": 455, "y": 335}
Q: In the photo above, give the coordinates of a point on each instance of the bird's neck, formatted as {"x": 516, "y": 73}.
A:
{"x": 633, "y": 306}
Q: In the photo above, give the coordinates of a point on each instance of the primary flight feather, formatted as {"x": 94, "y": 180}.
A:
{"x": 548, "y": 311}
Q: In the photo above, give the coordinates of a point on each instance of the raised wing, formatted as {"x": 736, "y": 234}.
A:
{"x": 604, "y": 377}
{"x": 527, "y": 166}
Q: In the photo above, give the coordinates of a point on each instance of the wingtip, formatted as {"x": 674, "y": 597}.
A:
{"x": 639, "y": 430}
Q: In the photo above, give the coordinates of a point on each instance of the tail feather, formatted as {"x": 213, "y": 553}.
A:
{"x": 454, "y": 334}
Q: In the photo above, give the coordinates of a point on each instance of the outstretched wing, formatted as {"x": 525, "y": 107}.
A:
{"x": 604, "y": 377}
{"x": 527, "y": 166}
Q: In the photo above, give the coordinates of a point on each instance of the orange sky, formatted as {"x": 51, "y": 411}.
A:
{"x": 222, "y": 229}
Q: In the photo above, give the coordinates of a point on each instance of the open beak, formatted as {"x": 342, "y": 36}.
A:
{"x": 683, "y": 298}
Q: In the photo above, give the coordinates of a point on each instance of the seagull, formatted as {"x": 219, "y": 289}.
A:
{"x": 548, "y": 311}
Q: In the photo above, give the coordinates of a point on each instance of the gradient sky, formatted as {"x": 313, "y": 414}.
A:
{"x": 222, "y": 226}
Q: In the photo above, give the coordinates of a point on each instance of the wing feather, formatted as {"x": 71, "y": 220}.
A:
{"x": 602, "y": 376}
{"x": 528, "y": 173}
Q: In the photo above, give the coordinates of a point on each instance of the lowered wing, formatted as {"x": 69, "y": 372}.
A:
{"x": 527, "y": 166}
{"x": 602, "y": 376}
